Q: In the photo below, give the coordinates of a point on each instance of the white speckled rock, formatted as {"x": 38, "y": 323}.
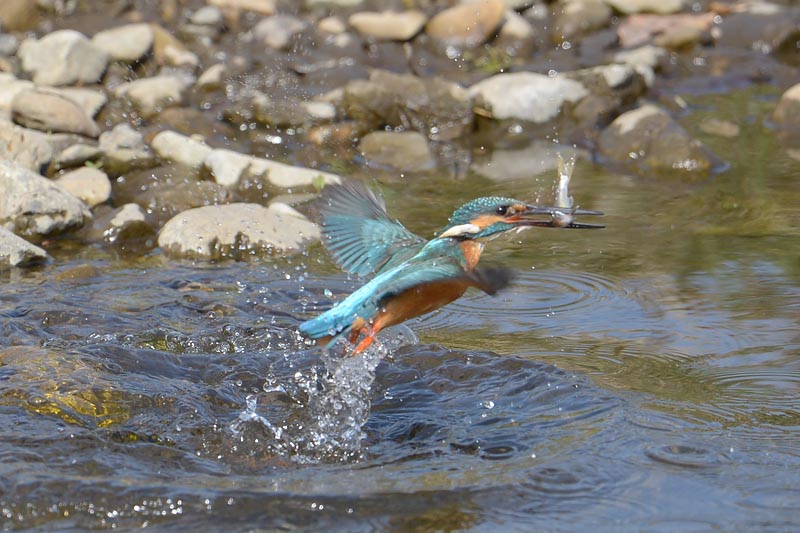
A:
{"x": 64, "y": 57}
{"x": 127, "y": 43}
{"x": 388, "y": 25}
{"x": 34, "y": 205}
{"x": 526, "y": 95}
{"x": 236, "y": 229}
{"x": 89, "y": 184}
{"x": 178, "y": 148}
{"x": 16, "y": 251}
{"x": 151, "y": 95}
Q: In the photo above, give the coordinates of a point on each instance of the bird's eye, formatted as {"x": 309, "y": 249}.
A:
{"x": 502, "y": 210}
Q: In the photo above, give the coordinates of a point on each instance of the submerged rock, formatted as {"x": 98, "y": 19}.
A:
{"x": 647, "y": 140}
{"x": 120, "y": 226}
{"x": 406, "y": 151}
{"x": 16, "y": 251}
{"x": 64, "y": 57}
{"x": 526, "y": 95}
{"x": 236, "y": 230}
{"x": 34, "y": 206}
{"x": 51, "y": 112}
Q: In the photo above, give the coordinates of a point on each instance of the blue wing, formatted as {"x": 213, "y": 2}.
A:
{"x": 358, "y": 233}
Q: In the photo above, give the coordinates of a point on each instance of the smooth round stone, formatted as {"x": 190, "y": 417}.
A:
{"x": 787, "y": 112}
{"x": 388, "y": 25}
{"x": 123, "y": 149}
{"x": 467, "y": 25}
{"x": 262, "y": 7}
{"x": 128, "y": 43}
{"x": 407, "y": 151}
{"x": 661, "y": 7}
{"x": 89, "y": 184}
{"x": 52, "y": 113}
{"x": 276, "y": 31}
{"x": 150, "y": 95}
{"x": 17, "y": 252}
{"x": 178, "y": 148}
{"x": 64, "y": 57}
{"x": 332, "y": 25}
{"x": 207, "y": 16}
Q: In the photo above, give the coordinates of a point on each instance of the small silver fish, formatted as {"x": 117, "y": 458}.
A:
{"x": 562, "y": 219}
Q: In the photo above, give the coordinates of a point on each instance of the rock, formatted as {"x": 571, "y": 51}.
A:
{"x": 276, "y": 31}
{"x": 10, "y": 86}
{"x": 124, "y": 149}
{"x": 517, "y": 36}
{"x": 28, "y": 148}
{"x": 262, "y": 7}
{"x": 51, "y": 112}
{"x": 168, "y": 50}
{"x": 662, "y": 7}
{"x": 675, "y": 30}
{"x": 172, "y": 146}
{"x": 18, "y": 15}
{"x": 89, "y": 184}
{"x": 212, "y": 78}
{"x": 236, "y": 230}
{"x": 388, "y": 25}
{"x": 64, "y": 57}
{"x": 526, "y": 95}
{"x": 77, "y": 154}
{"x": 332, "y": 25}
{"x": 440, "y": 109}
{"x": 32, "y": 205}
{"x": 288, "y": 176}
{"x": 772, "y": 30}
{"x": 227, "y": 167}
{"x": 121, "y": 225}
{"x": 151, "y": 95}
{"x": 90, "y": 100}
{"x": 611, "y": 88}
{"x": 319, "y": 111}
{"x": 207, "y": 16}
{"x": 647, "y": 140}
{"x": 467, "y": 25}
{"x": 406, "y": 151}
{"x": 720, "y": 128}
{"x": 645, "y": 59}
{"x": 540, "y": 157}
{"x": 787, "y": 112}
{"x": 8, "y": 44}
{"x": 17, "y": 252}
{"x": 129, "y": 43}
{"x": 580, "y": 17}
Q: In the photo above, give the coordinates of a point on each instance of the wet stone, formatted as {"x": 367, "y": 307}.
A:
{"x": 388, "y": 25}
{"x": 276, "y": 31}
{"x": 236, "y": 230}
{"x": 720, "y": 128}
{"x": 406, "y": 151}
{"x": 773, "y": 30}
{"x": 172, "y": 146}
{"x": 212, "y": 78}
{"x": 51, "y": 112}
{"x": 77, "y": 154}
{"x": 526, "y": 96}
{"x": 262, "y": 7}
{"x": 18, "y": 15}
{"x": 466, "y": 25}
{"x": 661, "y": 7}
{"x": 28, "y": 148}
{"x": 150, "y": 95}
{"x": 17, "y": 252}
{"x": 647, "y": 140}
{"x": 580, "y": 17}
{"x": 8, "y": 44}
{"x": 121, "y": 225}
{"x": 128, "y": 43}
{"x": 89, "y": 184}
{"x": 124, "y": 149}
{"x": 787, "y": 112}
{"x": 35, "y": 206}
{"x": 64, "y": 57}
{"x": 165, "y": 199}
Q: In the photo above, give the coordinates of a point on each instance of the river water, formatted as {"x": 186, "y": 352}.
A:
{"x": 640, "y": 377}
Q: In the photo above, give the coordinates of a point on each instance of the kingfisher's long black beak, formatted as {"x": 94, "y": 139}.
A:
{"x": 559, "y": 217}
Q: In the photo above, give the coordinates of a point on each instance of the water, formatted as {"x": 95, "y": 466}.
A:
{"x": 644, "y": 376}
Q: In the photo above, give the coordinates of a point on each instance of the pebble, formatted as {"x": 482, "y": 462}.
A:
{"x": 661, "y": 7}
{"x": 720, "y": 128}
{"x": 538, "y": 158}
{"x": 263, "y": 7}
{"x": 406, "y": 151}
{"x": 89, "y": 184}
{"x": 288, "y": 176}
{"x": 18, "y": 15}
{"x": 52, "y": 113}
{"x": 207, "y": 16}
{"x": 388, "y": 25}
{"x": 123, "y": 149}
{"x": 8, "y": 44}
{"x": 332, "y": 25}
{"x": 151, "y": 95}
{"x": 28, "y": 148}
{"x": 10, "y": 86}
{"x": 787, "y": 112}
{"x": 121, "y": 225}
{"x": 64, "y": 57}
{"x": 173, "y": 146}
{"x": 276, "y": 31}
{"x": 526, "y": 95}
{"x": 580, "y": 17}
{"x": 17, "y": 252}
{"x": 227, "y": 167}
{"x": 236, "y": 230}
{"x": 467, "y": 25}
{"x": 129, "y": 43}
{"x": 212, "y": 78}
{"x": 36, "y": 206}
{"x": 77, "y": 154}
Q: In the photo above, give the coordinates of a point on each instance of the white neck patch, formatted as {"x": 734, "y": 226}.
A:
{"x": 461, "y": 229}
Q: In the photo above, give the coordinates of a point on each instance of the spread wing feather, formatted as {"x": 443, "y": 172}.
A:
{"x": 358, "y": 233}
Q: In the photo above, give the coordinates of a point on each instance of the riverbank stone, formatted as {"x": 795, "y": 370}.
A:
{"x": 91, "y": 185}
{"x": 17, "y": 252}
{"x": 388, "y": 25}
{"x": 128, "y": 43}
{"x": 52, "y": 113}
{"x": 123, "y": 149}
{"x": 64, "y": 57}
{"x": 467, "y": 25}
{"x": 236, "y": 230}
{"x": 787, "y": 112}
{"x": 151, "y": 95}
{"x": 661, "y": 7}
{"x": 172, "y": 146}
{"x": 407, "y": 151}
{"x": 32, "y": 205}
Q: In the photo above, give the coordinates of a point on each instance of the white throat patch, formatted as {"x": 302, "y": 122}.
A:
{"x": 460, "y": 230}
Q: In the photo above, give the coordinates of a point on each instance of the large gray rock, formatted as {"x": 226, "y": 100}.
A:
{"x": 440, "y": 109}
{"x": 648, "y": 141}
{"x": 406, "y": 151}
{"x": 51, "y": 112}
{"x": 35, "y": 206}
{"x": 128, "y": 43}
{"x": 16, "y": 251}
{"x": 28, "y": 148}
{"x": 64, "y": 57}
{"x": 236, "y": 230}
{"x": 151, "y": 95}
{"x": 526, "y": 95}
{"x": 124, "y": 149}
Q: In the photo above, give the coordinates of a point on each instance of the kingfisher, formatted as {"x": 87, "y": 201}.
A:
{"x": 412, "y": 276}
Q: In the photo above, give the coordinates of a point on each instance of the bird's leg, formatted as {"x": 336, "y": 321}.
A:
{"x": 369, "y": 337}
